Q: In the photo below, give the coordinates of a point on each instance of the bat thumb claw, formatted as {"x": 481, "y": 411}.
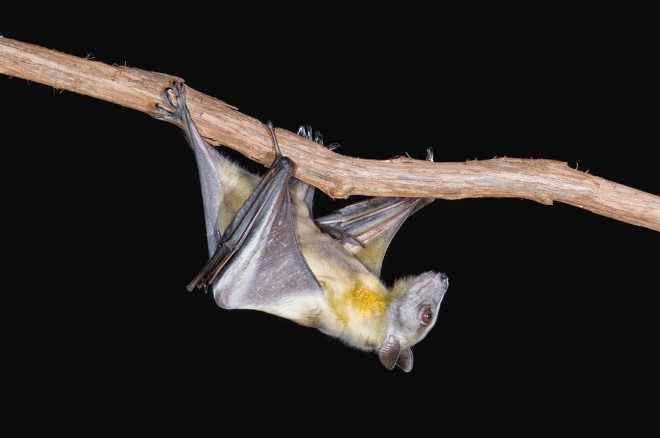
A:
{"x": 195, "y": 284}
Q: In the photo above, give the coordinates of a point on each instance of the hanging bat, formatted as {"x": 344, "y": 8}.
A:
{"x": 268, "y": 253}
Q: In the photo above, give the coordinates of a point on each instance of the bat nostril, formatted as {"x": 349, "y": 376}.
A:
{"x": 443, "y": 276}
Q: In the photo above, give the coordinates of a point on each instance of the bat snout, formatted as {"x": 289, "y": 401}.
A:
{"x": 444, "y": 280}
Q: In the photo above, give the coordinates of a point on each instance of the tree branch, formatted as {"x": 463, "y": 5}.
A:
{"x": 339, "y": 176}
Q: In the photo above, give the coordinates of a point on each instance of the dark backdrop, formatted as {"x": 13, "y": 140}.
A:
{"x": 544, "y": 301}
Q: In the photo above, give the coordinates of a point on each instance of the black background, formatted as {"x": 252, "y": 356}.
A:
{"x": 545, "y": 302}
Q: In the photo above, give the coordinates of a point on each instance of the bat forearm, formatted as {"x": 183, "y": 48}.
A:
{"x": 544, "y": 181}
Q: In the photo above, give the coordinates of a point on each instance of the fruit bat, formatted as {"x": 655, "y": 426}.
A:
{"x": 268, "y": 253}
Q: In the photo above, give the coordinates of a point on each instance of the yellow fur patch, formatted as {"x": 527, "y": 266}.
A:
{"x": 359, "y": 301}
{"x": 365, "y": 300}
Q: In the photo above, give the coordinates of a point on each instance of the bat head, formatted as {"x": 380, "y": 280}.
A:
{"x": 411, "y": 315}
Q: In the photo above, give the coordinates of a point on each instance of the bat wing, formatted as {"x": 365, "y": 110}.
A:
{"x": 255, "y": 258}
{"x": 367, "y": 227}
{"x": 258, "y": 263}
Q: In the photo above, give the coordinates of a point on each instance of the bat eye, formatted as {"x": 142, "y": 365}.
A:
{"x": 426, "y": 316}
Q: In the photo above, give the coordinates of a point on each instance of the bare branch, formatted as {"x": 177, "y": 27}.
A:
{"x": 339, "y": 176}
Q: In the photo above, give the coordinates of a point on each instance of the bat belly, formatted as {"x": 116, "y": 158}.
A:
{"x": 306, "y": 311}
{"x": 355, "y": 301}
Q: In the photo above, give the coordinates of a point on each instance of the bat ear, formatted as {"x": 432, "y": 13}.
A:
{"x": 405, "y": 361}
{"x": 389, "y": 352}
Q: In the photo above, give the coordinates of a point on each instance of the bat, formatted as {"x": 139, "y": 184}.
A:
{"x": 268, "y": 253}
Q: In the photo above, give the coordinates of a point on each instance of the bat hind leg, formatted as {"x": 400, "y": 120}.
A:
{"x": 224, "y": 185}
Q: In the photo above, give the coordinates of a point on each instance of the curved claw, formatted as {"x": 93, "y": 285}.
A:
{"x": 174, "y": 111}
{"x": 276, "y": 145}
{"x": 429, "y": 154}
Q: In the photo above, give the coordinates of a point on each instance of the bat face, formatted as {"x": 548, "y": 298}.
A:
{"x": 268, "y": 253}
{"x": 412, "y": 314}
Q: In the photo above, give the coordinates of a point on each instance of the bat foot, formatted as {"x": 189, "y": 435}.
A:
{"x": 429, "y": 154}
{"x": 174, "y": 109}
{"x": 307, "y": 132}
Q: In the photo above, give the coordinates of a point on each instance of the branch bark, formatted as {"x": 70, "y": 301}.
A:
{"x": 337, "y": 175}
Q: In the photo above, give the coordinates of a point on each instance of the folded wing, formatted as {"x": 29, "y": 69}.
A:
{"x": 367, "y": 227}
